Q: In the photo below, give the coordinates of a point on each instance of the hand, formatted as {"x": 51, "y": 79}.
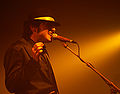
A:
{"x": 37, "y": 50}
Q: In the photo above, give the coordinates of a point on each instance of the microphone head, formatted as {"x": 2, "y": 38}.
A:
{"x": 54, "y": 35}
{"x": 63, "y": 39}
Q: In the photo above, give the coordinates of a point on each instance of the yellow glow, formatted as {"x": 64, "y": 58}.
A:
{"x": 103, "y": 47}
{"x": 45, "y": 18}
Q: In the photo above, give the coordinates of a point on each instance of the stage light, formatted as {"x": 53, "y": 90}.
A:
{"x": 103, "y": 47}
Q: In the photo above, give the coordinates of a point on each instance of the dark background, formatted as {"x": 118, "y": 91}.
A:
{"x": 92, "y": 23}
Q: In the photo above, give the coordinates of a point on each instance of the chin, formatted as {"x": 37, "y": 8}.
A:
{"x": 49, "y": 40}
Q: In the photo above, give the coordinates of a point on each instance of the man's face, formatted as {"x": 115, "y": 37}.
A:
{"x": 44, "y": 32}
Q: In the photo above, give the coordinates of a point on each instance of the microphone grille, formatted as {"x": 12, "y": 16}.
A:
{"x": 54, "y": 35}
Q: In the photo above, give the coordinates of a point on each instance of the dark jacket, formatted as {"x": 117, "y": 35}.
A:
{"x": 23, "y": 75}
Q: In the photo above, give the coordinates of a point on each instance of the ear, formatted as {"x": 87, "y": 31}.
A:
{"x": 33, "y": 29}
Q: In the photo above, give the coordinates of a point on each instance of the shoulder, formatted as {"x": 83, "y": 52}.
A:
{"x": 14, "y": 51}
{"x": 19, "y": 48}
{"x": 16, "y": 46}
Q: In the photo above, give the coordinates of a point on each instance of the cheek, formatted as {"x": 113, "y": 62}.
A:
{"x": 47, "y": 35}
{"x": 44, "y": 34}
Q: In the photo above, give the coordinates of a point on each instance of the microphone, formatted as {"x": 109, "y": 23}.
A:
{"x": 63, "y": 39}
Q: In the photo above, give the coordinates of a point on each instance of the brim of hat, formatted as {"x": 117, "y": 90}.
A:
{"x": 51, "y": 22}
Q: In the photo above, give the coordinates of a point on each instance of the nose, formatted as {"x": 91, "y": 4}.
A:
{"x": 53, "y": 29}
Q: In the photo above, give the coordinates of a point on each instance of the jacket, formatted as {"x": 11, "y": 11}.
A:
{"x": 23, "y": 75}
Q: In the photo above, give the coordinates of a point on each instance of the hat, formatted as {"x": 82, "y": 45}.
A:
{"x": 44, "y": 15}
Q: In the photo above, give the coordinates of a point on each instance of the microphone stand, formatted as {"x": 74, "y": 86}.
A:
{"x": 113, "y": 88}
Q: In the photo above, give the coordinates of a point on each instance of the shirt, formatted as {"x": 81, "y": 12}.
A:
{"x": 24, "y": 75}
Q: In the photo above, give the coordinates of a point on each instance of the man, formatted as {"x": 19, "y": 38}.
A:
{"x": 27, "y": 68}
